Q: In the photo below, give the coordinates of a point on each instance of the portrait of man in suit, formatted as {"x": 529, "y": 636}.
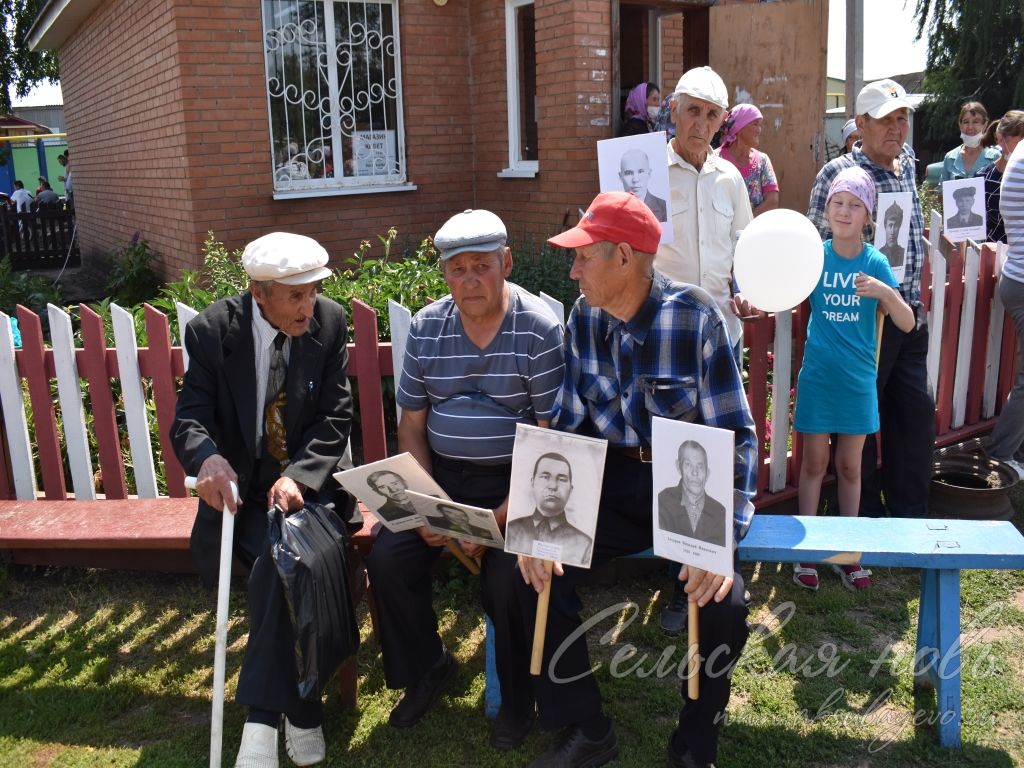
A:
{"x": 456, "y": 521}
{"x": 892, "y": 220}
{"x": 635, "y": 175}
{"x": 392, "y": 487}
{"x": 686, "y": 509}
{"x": 551, "y": 484}
{"x": 964, "y": 216}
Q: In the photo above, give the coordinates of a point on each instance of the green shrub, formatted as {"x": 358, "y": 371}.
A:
{"x": 413, "y": 281}
{"x": 544, "y": 269}
{"x": 133, "y": 279}
{"x": 24, "y": 288}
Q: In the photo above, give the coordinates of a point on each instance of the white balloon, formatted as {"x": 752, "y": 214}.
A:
{"x": 778, "y": 260}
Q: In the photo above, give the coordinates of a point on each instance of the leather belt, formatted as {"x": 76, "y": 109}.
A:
{"x": 637, "y": 453}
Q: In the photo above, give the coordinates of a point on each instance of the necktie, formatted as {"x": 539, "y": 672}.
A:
{"x": 274, "y": 433}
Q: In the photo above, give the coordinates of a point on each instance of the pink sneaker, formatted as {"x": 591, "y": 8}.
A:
{"x": 854, "y": 577}
{"x": 805, "y": 575}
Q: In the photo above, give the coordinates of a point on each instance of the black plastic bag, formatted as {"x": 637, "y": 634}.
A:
{"x": 309, "y": 550}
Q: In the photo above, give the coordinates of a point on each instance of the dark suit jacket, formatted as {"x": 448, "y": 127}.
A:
{"x": 216, "y": 411}
{"x": 673, "y": 518}
{"x": 894, "y": 254}
{"x": 458, "y": 530}
{"x": 520, "y": 534}
{"x": 658, "y": 206}
{"x": 390, "y": 511}
{"x": 956, "y": 221}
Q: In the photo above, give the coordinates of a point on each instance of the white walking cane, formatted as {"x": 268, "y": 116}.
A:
{"x": 227, "y": 535}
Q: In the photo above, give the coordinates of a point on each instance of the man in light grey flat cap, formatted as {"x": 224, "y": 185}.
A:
{"x": 477, "y": 363}
{"x": 265, "y": 404}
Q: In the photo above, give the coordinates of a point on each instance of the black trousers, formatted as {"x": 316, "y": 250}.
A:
{"x": 567, "y": 692}
{"x": 400, "y": 567}
{"x": 907, "y": 416}
{"x": 268, "y": 678}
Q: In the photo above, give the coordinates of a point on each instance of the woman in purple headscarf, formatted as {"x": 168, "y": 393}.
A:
{"x": 740, "y": 143}
{"x": 643, "y": 104}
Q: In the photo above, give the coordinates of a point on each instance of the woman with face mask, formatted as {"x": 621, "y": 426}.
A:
{"x": 643, "y": 105}
{"x": 1003, "y": 134}
{"x": 970, "y": 157}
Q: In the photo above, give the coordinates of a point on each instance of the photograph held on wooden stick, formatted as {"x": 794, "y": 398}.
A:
{"x": 555, "y": 520}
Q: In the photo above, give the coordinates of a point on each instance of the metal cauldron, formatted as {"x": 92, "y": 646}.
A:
{"x": 968, "y": 485}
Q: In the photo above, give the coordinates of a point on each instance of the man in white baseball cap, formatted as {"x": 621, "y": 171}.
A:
{"x": 710, "y": 205}
{"x": 905, "y": 402}
{"x": 265, "y": 404}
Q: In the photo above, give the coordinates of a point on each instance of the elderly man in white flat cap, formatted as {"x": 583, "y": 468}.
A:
{"x": 710, "y": 206}
{"x": 478, "y": 362}
{"x": 266, "y": 404}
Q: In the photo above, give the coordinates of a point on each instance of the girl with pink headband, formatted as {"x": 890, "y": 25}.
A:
{"x": 740, "y": 143}
{"x": 836, "y": 388}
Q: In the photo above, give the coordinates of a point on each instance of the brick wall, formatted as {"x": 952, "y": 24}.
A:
{"x": 125, "y": 121}
{"x": 167, "y": 120}
{"x": 574, "y": 111}
{"x": 167, "y": 116}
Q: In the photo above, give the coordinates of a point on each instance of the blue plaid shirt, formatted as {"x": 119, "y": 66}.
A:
{"x": 885, "y": 181}
{"x": 672, "y": 359}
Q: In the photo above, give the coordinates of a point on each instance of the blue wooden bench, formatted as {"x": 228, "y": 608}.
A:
{"x": 940, "y": 548}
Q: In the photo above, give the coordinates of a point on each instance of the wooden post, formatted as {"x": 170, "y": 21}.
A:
{"x": 540, "y": 627}
{"x": 693, "y": 650}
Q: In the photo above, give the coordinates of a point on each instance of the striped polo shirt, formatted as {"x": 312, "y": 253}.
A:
{"x": 477, "y": 396}
{"x": 1011, "y": 205}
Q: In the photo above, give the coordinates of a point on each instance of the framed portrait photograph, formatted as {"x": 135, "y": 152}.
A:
{"x": 460, "y": 521}
{"x": 963, "y": 208}
{"x": 892, "y": 229}
{"x": 693, "y": 494}
{"x": 638, "y": 165}
{"x": 554, "y": 495}
{"x": 383, "y": 487}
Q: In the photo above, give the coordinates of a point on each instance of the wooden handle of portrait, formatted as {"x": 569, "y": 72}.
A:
{"x": 693, "y": 654}
{"x": 540, "y": 627}
{"x": 879, "y": 324}
{"x": 462, "y": 557}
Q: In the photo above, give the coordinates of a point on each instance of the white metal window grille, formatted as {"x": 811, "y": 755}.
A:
{"x": 334, "y": 94}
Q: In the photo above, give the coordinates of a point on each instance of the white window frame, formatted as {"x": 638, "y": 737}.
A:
{"x": 341, "y": 184}
{"x": 517, "y": 166}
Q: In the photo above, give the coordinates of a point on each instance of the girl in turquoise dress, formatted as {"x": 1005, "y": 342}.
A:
{"x": 836, "y": 389}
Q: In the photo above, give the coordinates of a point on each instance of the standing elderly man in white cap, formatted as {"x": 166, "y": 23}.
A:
{"x": 265, "y": 404}
{"x": 710, "y": 205}
{"x": 905, "y": 403}
{"x": 477, "y": 363}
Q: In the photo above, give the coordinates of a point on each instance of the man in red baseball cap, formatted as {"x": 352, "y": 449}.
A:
{"x": 637, "y": 345}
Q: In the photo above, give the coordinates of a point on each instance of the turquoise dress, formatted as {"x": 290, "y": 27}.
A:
{"x": 836, "y": 389}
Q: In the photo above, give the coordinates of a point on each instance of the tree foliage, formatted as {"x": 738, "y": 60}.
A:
{"x": 21, "y": 68}
{"x": 975, "y": 53}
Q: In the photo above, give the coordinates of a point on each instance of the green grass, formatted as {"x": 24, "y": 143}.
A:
{"x": 113, "y": 669}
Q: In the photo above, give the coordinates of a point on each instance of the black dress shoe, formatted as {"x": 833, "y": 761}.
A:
{"x": 575, "y": 750}
{"x": 510, "y": 729}
{"x": 419, "y": 697}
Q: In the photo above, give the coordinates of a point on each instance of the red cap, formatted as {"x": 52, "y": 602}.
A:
{"x": 615, "y": 217}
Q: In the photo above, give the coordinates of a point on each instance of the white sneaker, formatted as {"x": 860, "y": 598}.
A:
{"x": 259, "y": 747}
{"x": 305, "y": 746}
{"x": 1017, "y": 467}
